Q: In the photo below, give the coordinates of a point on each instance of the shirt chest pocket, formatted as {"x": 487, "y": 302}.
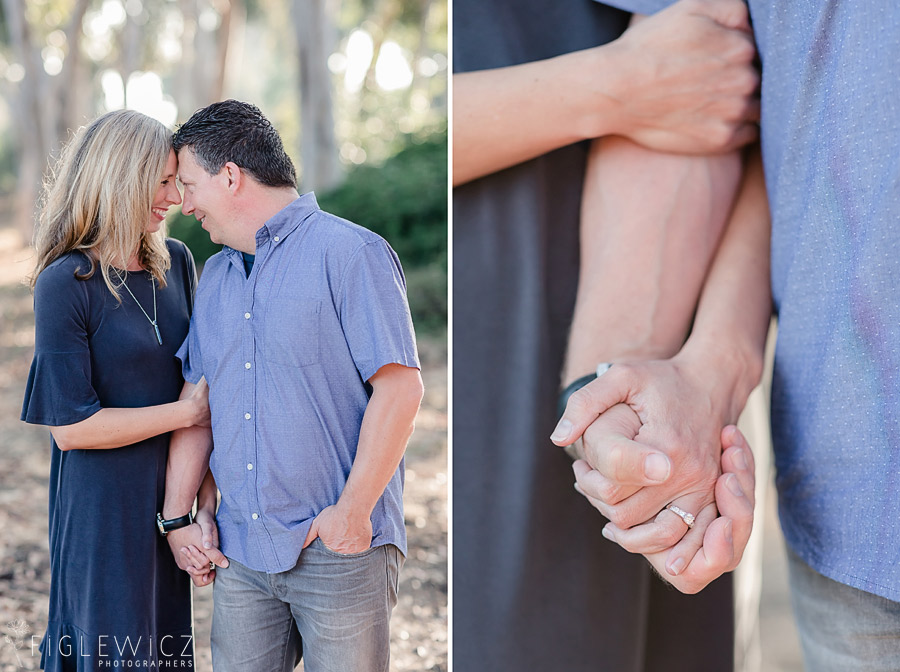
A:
{"x": 291, "y": 332}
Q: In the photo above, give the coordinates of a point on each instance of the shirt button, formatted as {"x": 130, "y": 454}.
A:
{"x": 246, "y": 316}
{"x": 246, "y": 416}
{"x": 250, "y": 467}
{"x": 247, "y": 365}
{"x": 277, "y": 239}
{"x": 255, "y": 516}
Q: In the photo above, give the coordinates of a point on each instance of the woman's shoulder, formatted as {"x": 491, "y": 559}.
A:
{"x": 60, "y": 272}
{"x": 178, "y": 250}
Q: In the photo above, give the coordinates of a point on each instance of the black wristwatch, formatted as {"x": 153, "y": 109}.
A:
{"x": 166, "y": 526}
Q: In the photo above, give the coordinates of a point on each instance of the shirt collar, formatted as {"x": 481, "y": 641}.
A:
{"x": 281, "y": 224}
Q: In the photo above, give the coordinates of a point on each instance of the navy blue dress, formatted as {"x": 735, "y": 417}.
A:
{"x": 117, "y": 598}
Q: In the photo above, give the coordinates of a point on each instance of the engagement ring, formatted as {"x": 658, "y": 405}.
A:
{"x": 688, "y": 518}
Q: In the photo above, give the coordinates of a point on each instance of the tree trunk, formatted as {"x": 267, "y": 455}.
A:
{"x": 316, "y": 35}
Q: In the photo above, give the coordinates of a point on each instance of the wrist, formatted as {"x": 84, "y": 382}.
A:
{"x": 176, "y": 508}
{"x": 353, "y": 508}
{"x": 736, "y": 365}
{"x": 588, "y": 81}
{"x": 188, "y": 415}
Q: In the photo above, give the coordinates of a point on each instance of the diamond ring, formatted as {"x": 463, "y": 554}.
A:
{"x": 688, "y": 518}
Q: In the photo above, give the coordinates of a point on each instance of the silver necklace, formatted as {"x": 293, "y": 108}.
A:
{"x": 153, "y": 321}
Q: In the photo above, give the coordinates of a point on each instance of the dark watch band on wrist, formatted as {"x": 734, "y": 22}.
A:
{"x": 166, "y": 526}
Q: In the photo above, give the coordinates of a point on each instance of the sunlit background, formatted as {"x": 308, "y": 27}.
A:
{"x": 348, "y": 84}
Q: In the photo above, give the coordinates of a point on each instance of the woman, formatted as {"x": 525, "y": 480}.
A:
{"x": 112, "y": 300}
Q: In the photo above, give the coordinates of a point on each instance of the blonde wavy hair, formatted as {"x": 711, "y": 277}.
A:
{"x": 98, "y": 197}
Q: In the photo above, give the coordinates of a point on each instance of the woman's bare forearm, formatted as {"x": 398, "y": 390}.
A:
{"x": 118, "y": 427}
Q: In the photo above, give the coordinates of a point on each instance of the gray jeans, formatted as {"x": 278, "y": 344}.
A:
{"x": 333, "y": 608}
{"x": 843, "y": 629}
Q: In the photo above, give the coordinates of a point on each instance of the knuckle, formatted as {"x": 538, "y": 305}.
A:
{"x": 616, "y": 516}
{"x": 580, "y": 401}
{"x": 615, "y": 462}
{"x": 609, "y": 493}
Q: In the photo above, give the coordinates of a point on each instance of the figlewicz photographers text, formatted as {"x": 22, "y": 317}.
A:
{"x": 124, "y": 653}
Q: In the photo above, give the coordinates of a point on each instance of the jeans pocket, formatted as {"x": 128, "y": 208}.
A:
{"x": 328, "y": 551}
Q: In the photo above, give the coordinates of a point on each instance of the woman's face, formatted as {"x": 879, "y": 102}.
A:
{"x": 166, "y": 194}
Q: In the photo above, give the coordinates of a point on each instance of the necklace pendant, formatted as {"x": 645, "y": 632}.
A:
{"x": 156, "y": 329}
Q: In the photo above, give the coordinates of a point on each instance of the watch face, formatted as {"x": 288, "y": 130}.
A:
{"x": 159, "y": 525}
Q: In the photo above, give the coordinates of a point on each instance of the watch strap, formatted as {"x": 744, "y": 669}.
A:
{"x": 166, "y": 526}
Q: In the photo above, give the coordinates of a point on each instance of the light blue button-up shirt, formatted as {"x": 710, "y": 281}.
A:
{"x": 286, "y": 352}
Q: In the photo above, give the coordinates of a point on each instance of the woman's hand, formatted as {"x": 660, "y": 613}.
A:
{"x": 199, "y": 401}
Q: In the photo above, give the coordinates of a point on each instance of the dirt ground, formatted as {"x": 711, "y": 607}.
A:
{"x": 419, "y": 623}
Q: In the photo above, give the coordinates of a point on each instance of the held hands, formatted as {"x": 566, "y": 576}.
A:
{"x": 715, "y": 544}
{"x": 681, "y": 417}
{"x": 196, "y": 546}
{"x": 663, "y": 445}
{"x": 688, "y": 83}
{"x": 341, "y": 530}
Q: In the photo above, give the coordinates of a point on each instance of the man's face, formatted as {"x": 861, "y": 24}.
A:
{"x": 206, "y": 197}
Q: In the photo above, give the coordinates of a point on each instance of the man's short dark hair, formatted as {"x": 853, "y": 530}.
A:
{"x": 237, "y": 132}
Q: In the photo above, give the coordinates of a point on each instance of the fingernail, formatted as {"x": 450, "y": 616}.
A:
{"x": 207, "y": 544}
{"x": 578, "y": 488}
{"x": 656, "y": 467}
{"x": 607, "y": 533}
{"x": 676, "y": 567}
{"x": 728, "y": 532}
{"x": 731, "y": 482}
{"x": 562, "y": 431}
{"x": 740, "y": 460}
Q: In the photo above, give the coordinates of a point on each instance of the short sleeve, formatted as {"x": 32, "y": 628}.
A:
{"x": 374, "y": 312}
{"x": 189, "y": 354}
{"x": 59, "y": 390}
{"x": 638, "y": 6}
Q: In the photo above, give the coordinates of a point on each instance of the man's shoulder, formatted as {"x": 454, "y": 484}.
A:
{"x": 333, "y": 230}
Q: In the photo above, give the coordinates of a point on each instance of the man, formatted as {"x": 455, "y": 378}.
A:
{"x": 830, "y": 151}
{"x": 302, "y": 329}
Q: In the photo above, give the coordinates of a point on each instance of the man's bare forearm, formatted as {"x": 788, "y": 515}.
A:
{"x": 386, "y": 427}
{"x": 650, "y": 225}
{"x": 187, "y": 466}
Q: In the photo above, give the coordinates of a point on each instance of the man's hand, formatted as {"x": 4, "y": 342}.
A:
{"x": 341, "y": 530}
{"x": 186, "y": 544}
{"x": 687, "y": 82}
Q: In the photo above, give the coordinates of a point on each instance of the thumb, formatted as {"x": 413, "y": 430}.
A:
{"x": 312, "y": 534}
{"x": 216, "y": 556}
{"x": 727, "y": 13}
{"x": 206, "y": 530}
{"x": 586, "y": 404}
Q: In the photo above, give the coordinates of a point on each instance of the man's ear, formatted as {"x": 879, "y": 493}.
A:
{"x": 234, "y": 175}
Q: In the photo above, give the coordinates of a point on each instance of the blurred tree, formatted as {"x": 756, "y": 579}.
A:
{"x": 316, "y": 39}
{"x": 347, "y": 82}
{"x": 43, "y": 108}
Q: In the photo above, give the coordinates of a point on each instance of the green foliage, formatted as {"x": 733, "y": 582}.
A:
{"x": 404, "y": 200}
{"x": 187, "y": 229}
